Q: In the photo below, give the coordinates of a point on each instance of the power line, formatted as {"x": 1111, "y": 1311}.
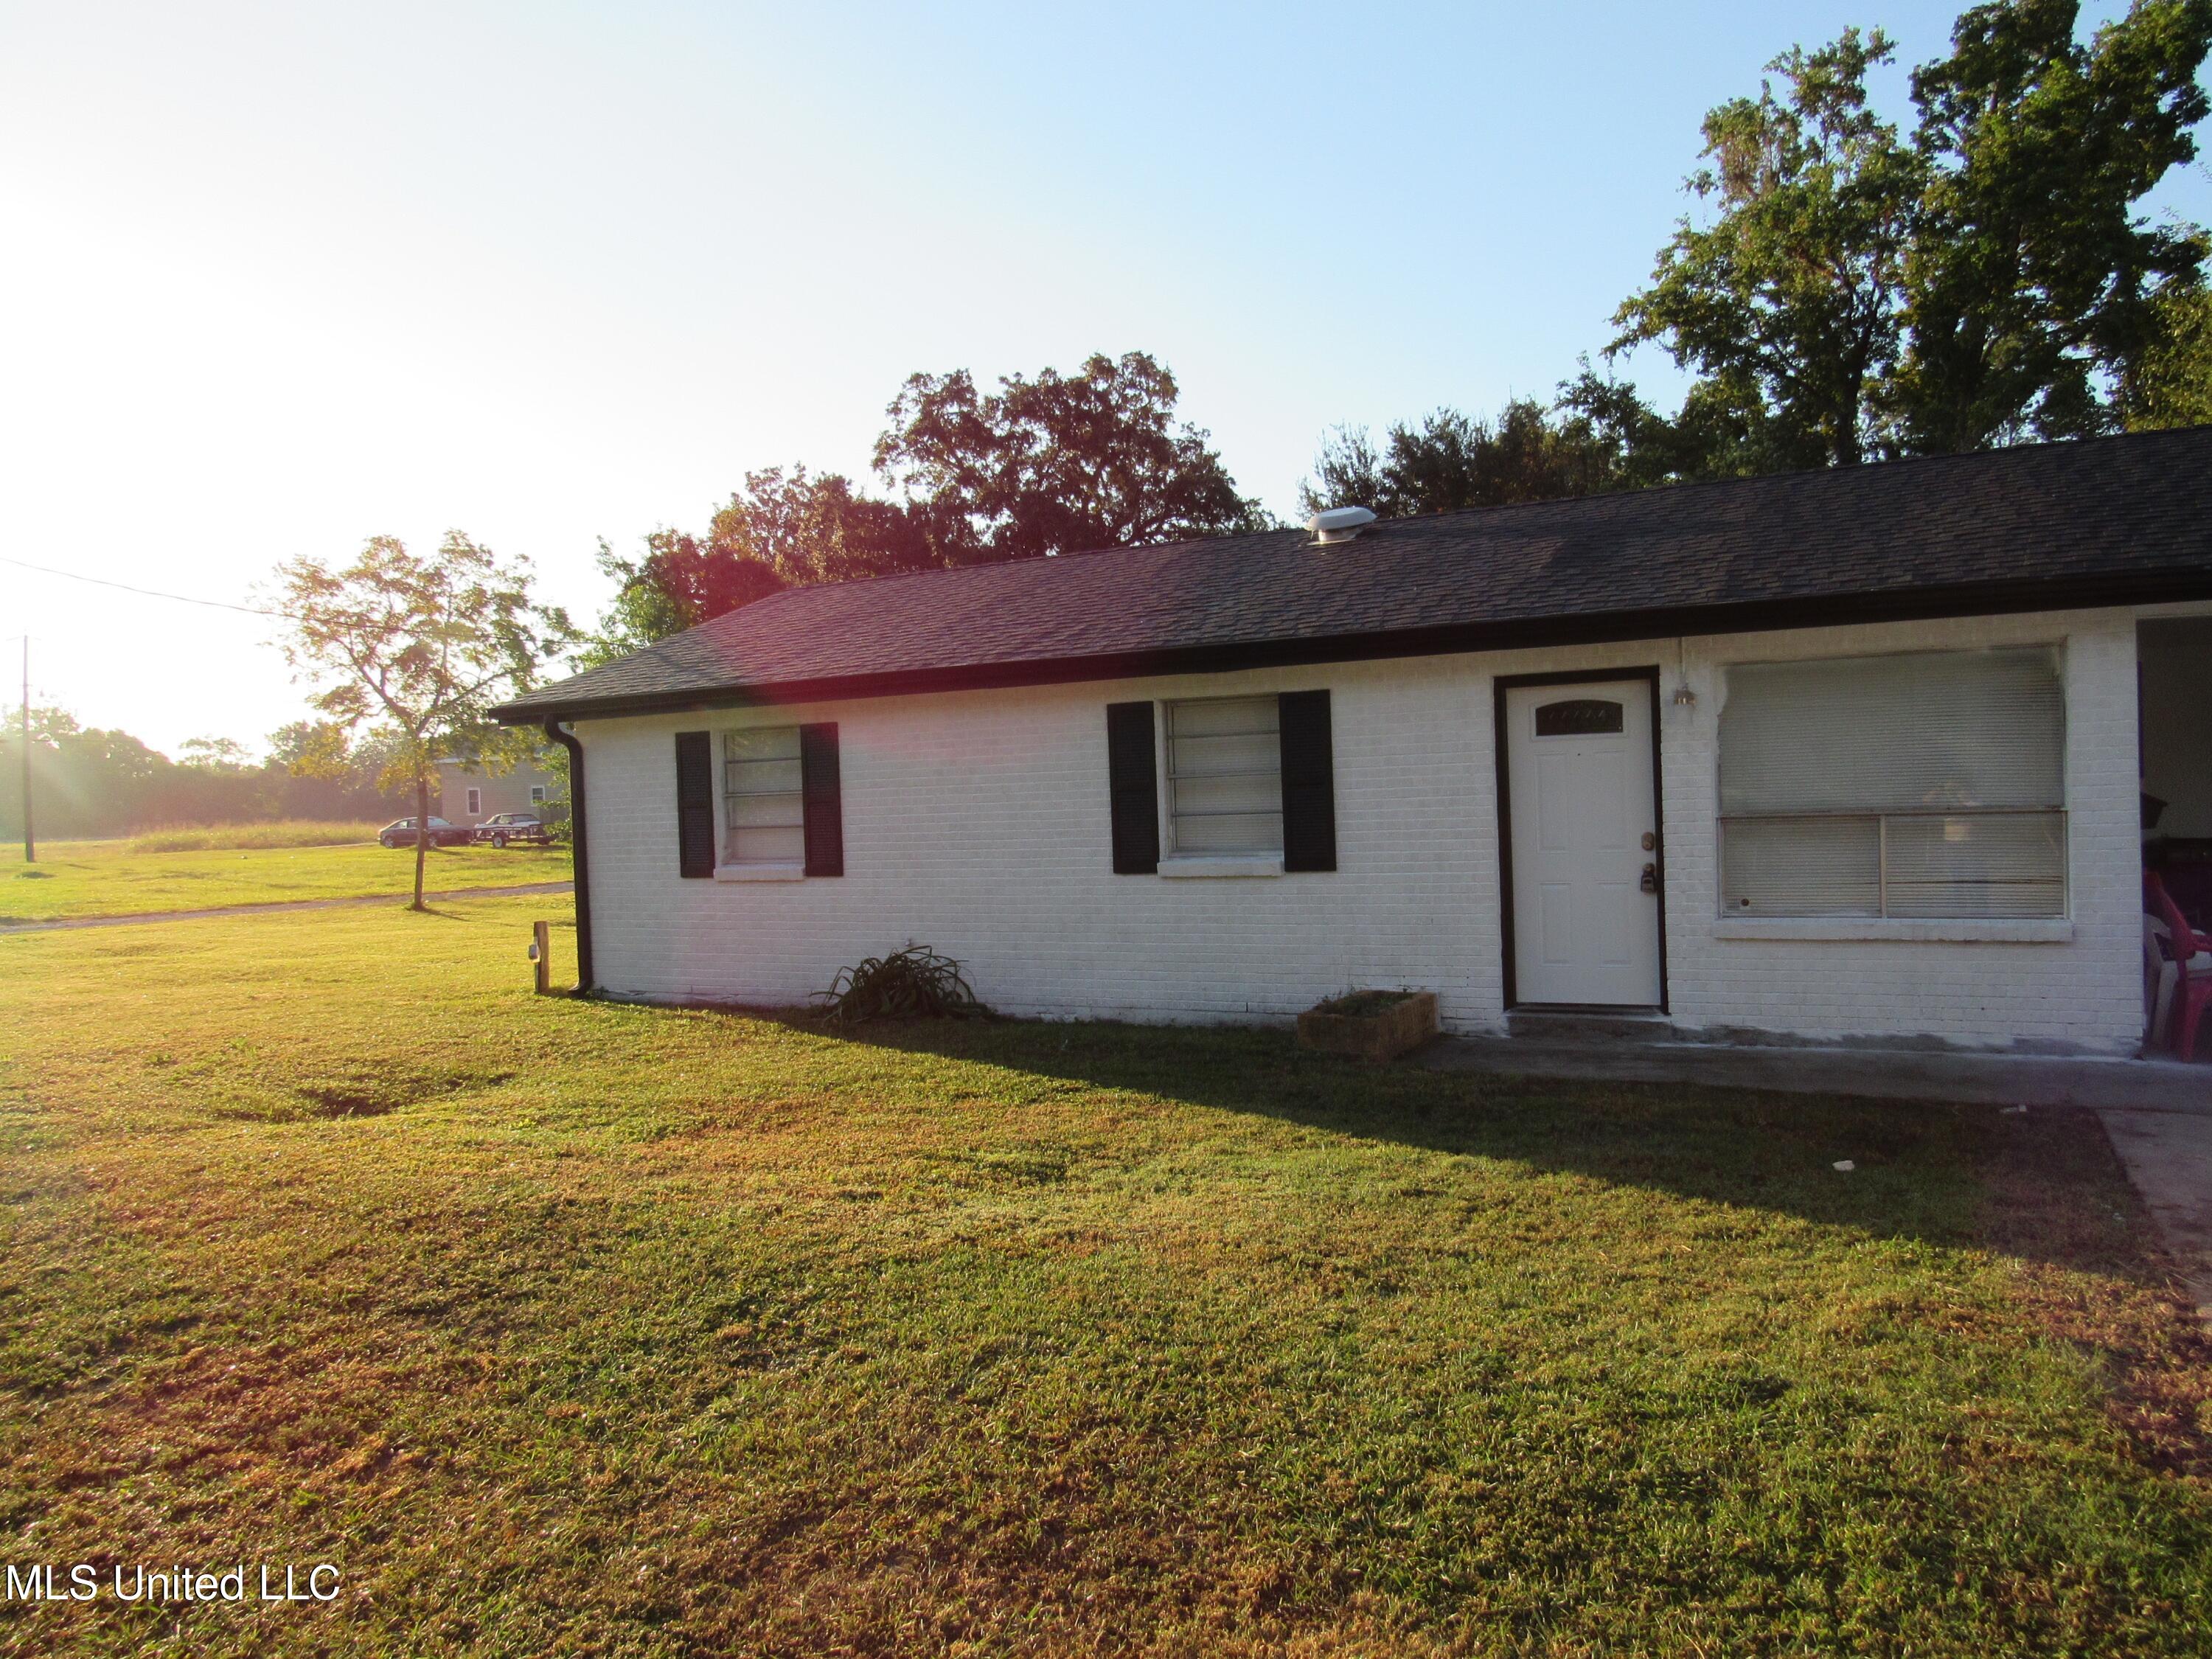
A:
{"x": 148, "y": 592}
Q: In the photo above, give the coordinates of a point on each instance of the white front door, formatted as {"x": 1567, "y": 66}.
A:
{"x": 1585, "y": 824}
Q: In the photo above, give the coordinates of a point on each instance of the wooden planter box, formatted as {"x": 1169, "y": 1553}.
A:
{"x": 1376, "y": 1025}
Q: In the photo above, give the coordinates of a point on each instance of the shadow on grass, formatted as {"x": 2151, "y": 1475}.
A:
{"x": 2042, "y": 1185}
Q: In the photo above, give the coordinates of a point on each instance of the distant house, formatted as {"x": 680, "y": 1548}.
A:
{"x": 470, "y": 794}
{"x": 1853, "y": 752}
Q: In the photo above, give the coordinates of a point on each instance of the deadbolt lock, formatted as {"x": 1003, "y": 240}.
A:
{"x": 1650, "y": 841}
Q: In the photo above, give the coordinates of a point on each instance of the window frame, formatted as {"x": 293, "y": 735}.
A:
{"x": 1882, "y": 915}
{"x": 724, "y": 826}
{"x": 1171, "y": 848}
{"x": 476, "y": 802}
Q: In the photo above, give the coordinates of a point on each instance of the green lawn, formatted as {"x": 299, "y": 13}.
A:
{"x": 107, "y": 879}
{"x": 576, "y": 1328}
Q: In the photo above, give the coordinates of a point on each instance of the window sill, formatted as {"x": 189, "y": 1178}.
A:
{"x": 760, "y": 873}
{"x": 2040, "y": 930}
{"x": 1190, "y": 867}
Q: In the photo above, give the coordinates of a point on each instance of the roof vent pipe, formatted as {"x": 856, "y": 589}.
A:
{"x": 1338, "y": 523}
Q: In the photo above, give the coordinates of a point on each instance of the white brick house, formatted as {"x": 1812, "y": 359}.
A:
{"x": 1794, "y": 806}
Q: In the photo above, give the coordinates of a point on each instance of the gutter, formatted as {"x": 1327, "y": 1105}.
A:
{"x": 579, "y": 862}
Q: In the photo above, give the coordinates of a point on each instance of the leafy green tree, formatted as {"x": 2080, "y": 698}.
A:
{"x": 817, "y": 527}
{"x": 782, "y": 529}
{"x": 1990, "y": 278}
{"x": 334, "y": 771}
{"x": 2036, "y": 286}
{"x": 422, "y": 648}
{"x": 1059, "y": 463}
{"x": 2171, "y": 383}
{"x": 1450, "y": 459}
{"x": 1637, "y": 446}
{"x": 88, "y": 781}
{"x": 1348, "y": 472}
{"x": 646, "y": 606}
{"x": 1787, "y": 305}
{"x": 213, "y": 755}
{"x": 292, "y": 743}
{"x": 1054, "y": 465}
{"x": 84, "y": 781}
{"x": 679, "y": 581}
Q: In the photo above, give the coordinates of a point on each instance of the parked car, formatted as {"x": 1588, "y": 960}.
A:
{"x": 402, "y": 833}
{"x": 505, "y": 827}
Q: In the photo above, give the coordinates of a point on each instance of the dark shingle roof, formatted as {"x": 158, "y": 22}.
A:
{"x": 2104, "y": 521}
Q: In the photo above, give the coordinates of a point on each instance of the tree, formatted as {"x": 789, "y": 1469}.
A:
{"x": 225, "y": 754}
{"x": 1788, "y": 304}
{"x": 2036, "y": 289}
{"x": 679, "y": 583}
{"x": 1054, "y": 465}
{"x": 1859, "y": 293}
{"x": 422, "y": 646}
{"x": 296, "y": 742}
{"x": 330, "y": 770}
{"x": 88, "y": 781}
{"x": 780, "y": 528}
{"x": 806, "y": 527}
{"x": 1450, "y": 460}
{"x": 1059, "y": 463}
{"x": 2171, "y": 383}
{"x": 1637, "y": 446}
{"x": 1348, "y": 472}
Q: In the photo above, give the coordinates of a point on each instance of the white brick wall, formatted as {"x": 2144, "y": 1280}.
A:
{"x": 977, "y": 823}
{"x": 2084, "y": 992}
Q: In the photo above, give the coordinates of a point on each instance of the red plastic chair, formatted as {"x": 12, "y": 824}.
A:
{"x": 2192, "y": 960}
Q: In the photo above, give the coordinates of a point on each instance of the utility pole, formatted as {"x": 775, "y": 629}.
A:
{"x": 30, "y": 842}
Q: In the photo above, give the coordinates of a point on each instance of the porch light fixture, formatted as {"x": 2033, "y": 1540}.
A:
{"x": 1684, "y": 697}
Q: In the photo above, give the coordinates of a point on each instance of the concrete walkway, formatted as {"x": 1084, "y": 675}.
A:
{"x": 278, "y": 907}
{"x": 2135, "y": 1086}
{"x": 2168, "y": 1158}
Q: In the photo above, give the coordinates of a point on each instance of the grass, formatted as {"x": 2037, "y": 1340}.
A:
{"x": 114, "y": 879}
{"x": 583, "y": 1328}
{"x": 280, "y": 832}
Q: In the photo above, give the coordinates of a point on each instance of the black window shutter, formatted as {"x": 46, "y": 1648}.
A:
{"x": 1309, "y": 782}
{"x": 824, "y": 796}
{"x": 1134, "y": 781}
{"x": 695, "y": 803}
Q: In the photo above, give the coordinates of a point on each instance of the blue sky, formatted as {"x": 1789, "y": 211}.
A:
{"x": 282, "y": 278}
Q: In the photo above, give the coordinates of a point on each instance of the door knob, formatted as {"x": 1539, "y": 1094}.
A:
{"x": 1650, "y": 878}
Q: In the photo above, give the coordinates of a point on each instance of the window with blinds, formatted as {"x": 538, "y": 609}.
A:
{"x": 1224, "y": 776}
{"x": 1924, "y": 785}
{"x": 764, "y": 800}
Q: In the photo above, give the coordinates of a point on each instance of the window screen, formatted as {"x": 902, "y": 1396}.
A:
{"x": 1926, "y": 785}
{"x": 764, "y": 815}
{"x": 1224, "y": 776}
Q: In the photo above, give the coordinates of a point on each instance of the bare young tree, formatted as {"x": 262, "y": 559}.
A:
{"x": 422, "y": 648}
